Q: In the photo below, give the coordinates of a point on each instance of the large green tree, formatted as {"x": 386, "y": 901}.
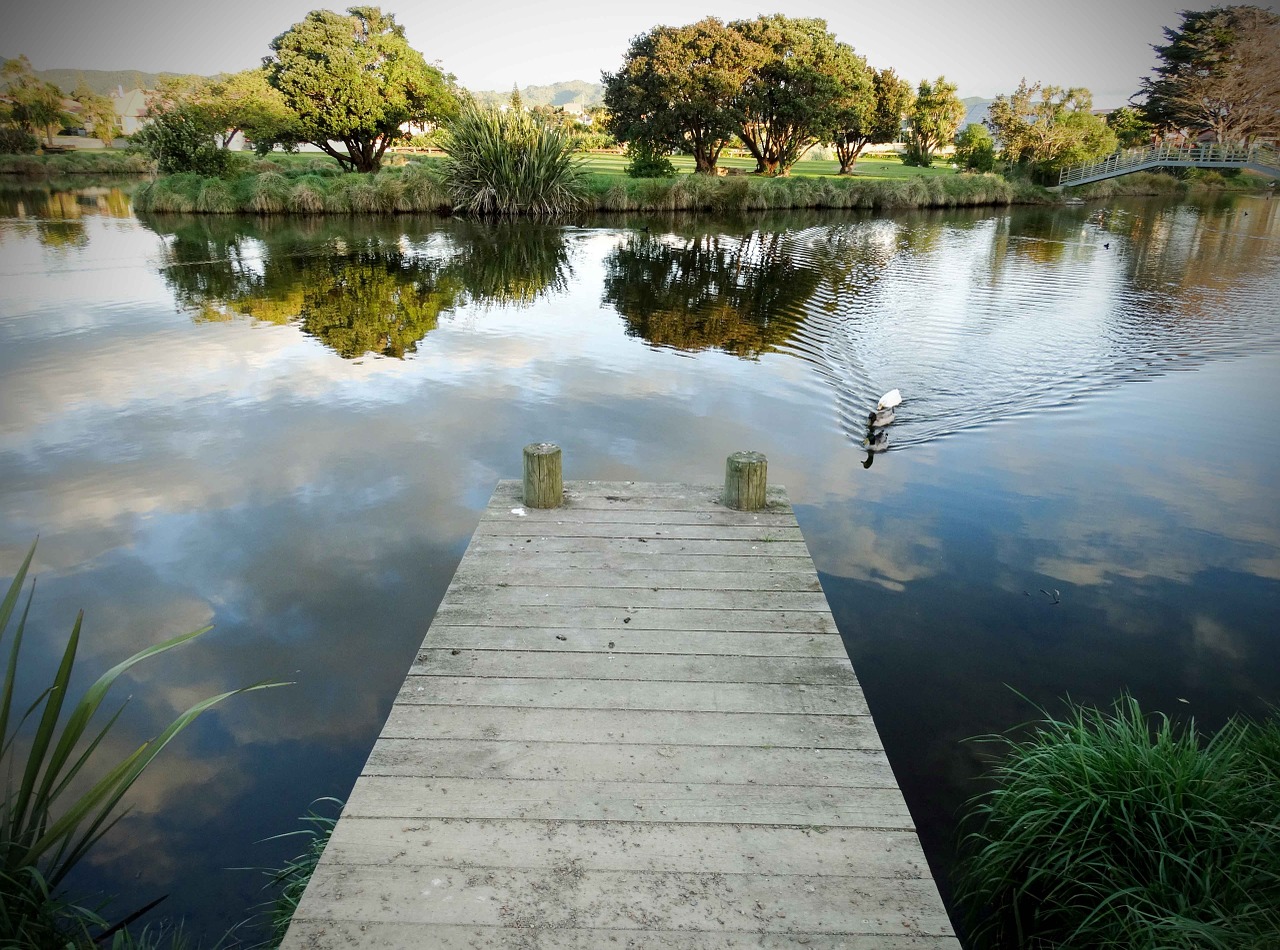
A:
{"x": 1220, "y": 72}
{"x": 353, "y": 81}
{"x": 1042, "y": 130}
{"x": 34, "y": 105}
{"x": 802, "y": 80}
{"x": 876, "y": 123}
{"x": 1131, "y": 129}
{"x": 245, "y": 102}
{"x": 935, "y": 116}
{"x": 678, "y": 88}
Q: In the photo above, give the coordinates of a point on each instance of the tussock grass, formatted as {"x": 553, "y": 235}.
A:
{"x": 215, "y": 197}
{"x": 269, "y": 193}
{"x": 421, "y": 187}
{"x": 1121, "y": 830}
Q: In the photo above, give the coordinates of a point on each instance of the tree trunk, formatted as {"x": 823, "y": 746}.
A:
{"x": 704, "y": 163}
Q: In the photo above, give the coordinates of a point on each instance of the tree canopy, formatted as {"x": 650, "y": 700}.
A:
{"x": 781, "y": 84}
{"x": 935, "y": 115}
{"x": 875, "y": 122}
{"x": 35, "y": 105}
{"x": 803, "y": 80}
{"x": 353, "y": 79}
{"x": 1044, "y": 129}
{"x": 1218, "y": 72}
{"x": 97, "y": 113}
{"x": 678, "y": 88}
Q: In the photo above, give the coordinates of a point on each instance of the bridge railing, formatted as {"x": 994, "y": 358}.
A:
{"x": 1157, "y": 155}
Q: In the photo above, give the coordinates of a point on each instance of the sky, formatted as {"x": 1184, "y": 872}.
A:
{"x": 986, "y": 48}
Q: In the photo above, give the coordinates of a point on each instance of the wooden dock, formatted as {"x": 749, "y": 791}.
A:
{"x": 632, "y": 725}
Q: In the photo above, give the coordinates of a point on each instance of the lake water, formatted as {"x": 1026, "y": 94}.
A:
{"x": 288, "y": 428}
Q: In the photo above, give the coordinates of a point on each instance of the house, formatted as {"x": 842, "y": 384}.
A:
{"x": 131, "y": 109}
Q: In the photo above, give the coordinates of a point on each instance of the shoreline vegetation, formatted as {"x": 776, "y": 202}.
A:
{"x": 310, "y": 185}
{"x": 413, "y": 188}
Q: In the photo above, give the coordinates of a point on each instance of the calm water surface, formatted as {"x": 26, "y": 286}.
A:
{"x": 288, "y": 428}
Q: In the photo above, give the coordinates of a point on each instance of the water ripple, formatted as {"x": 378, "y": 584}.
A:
{"x": 1011, "y": 314}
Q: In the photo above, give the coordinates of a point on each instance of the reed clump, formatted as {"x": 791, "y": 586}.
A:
{"x": 1121, "y": 830}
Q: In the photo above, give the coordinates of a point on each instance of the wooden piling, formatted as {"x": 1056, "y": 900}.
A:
{"x": 745, "y": 477}
{"x": 543, "y": 476}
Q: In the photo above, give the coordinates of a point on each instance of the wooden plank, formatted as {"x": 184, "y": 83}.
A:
{"x": 332, "y": 934}
{"x": 533, "y": 519}
{"x": 497, "y": 594}
{"x": 572, "y": 898}
{"x": 620, "y": 697}
{"x": 612, "y": 762}
{"x": 648, "y": 618}
{"x": 634, "y": 726}
{"x": 576, "y": 639}
{"x": 588, "y": 572}
{"x": 532, "y": 664}
{"x": 532, "y": 547}
{"x": 544, "y": 528}
{"x": 628, "y": 846}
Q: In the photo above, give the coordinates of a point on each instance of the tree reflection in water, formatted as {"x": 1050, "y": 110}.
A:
{"x": 743, "y": 294}
{"x": 358, "y": 286}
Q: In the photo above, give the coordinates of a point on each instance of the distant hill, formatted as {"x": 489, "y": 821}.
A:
{"x": 975, "y": 110}
{"x": 102, "y": 81}
{"x": 106, "y": 81}
{"x": 556, "y": 94}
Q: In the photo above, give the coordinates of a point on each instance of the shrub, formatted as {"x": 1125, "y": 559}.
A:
{"x": 1115, "y": 830}
{"x": 975, "y": 149}
{"x": 16, "y": 141}
{"x": 508, "y": 163}
{"x": 180, "y": 140}
{"x": 645, "y": 161}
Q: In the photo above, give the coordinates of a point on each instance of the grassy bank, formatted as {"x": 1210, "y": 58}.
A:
{"x": 318, "y": 187}
{"x": 80, "y": 162}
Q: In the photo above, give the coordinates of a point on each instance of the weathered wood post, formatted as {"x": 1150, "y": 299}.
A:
{"x": 745, "y": 480}
{"x": 543, "y": 480}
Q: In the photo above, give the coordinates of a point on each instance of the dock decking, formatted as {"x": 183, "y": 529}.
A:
{"x": 632, "y": 724}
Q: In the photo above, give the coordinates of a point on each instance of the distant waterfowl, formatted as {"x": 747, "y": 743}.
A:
{"x": 1106, "y": 246}
{"x": 890, "y": 399}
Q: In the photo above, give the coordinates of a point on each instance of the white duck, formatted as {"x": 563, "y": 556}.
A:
{"x": 883, "y": 414}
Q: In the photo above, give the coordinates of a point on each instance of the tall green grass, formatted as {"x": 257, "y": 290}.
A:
{"x": 503, "y": 163}
{"x": 289, "y": 881}
{"x": 1121, "y": 830}
{"x": 54, "y": 810}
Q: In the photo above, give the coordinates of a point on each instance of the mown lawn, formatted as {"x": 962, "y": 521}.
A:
{"x": 871, "y": 167}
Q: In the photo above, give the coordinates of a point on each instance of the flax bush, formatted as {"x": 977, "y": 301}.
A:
{"x": 58, "y": 799}
{"x": 502, "y": 163}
